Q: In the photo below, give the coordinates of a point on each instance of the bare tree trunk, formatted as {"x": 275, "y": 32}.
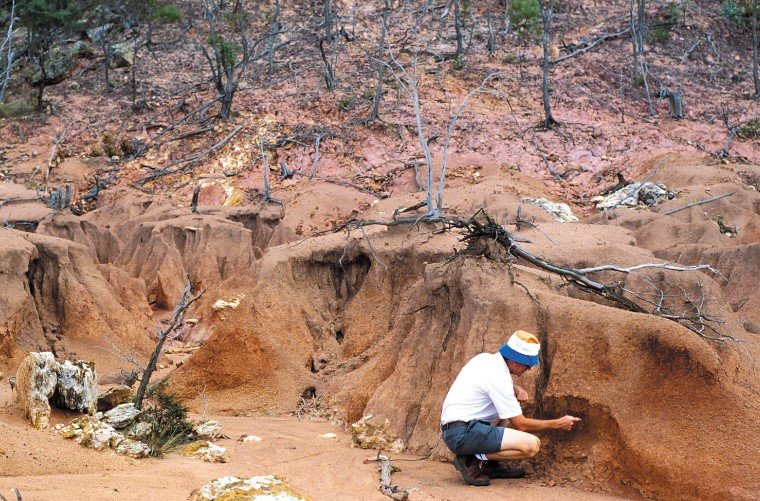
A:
{"x": 547, "y": 13}
{"x": 755, "y": 50}
{"x": 634, "y": 42}
{"x": 375, "y": 109}
{"x": 178, "y": 315}
{"x": 8, "y": 47}
{"x": 41, "y": 63}
{"x": 507, "y": 21}
{"x": 328, "y": 19}
{"x": 458, "y": 29}
{"x": 273, "y": 29}
{"x": 642, "y": 24}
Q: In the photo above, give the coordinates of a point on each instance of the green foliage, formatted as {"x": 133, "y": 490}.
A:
{"x": 43, "y": 16}
{"x": 674, "y": 13}
{"x": 225, "y": 50}
{"x": 166, "y": 14}
{"x": 525, "y": 15}
{"x": 750, "y": 129}
{"x": 169, "y": 426}
{"x": 345, "y": 103}
{"x": 16, "y": 109}
{"x": 658, "y": 34}
{"x": 457, "y": 62}
{"x": 369, "y": 94}
{"x": 737, "y": 13}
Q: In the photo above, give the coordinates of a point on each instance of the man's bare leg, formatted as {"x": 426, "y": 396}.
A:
{"x": 515, "y": 445}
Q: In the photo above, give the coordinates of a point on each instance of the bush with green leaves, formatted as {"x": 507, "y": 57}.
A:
{"x": 738, "y": 12}
{"x": 169, "y": 425}
{"x": 526, "y": 16}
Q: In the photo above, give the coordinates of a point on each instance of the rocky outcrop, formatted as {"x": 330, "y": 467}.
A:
{"x": 70, "y": 385}
{"x": 208, "y": 430}
{"x": 36, "y": 381}
{"x": 90, "y": 432}
{"x": 123, "y": 55}
{"x": 207, "y": 451}
{"x": 114, "y": 397}
{"x": 77, "y": 387}
{"x": 133, "y": 449}
{"x": 122, "y": 415}
{"x": 367, "y": 434}
{"x": 59, "y": 63}
{"x": 248, "y": 488}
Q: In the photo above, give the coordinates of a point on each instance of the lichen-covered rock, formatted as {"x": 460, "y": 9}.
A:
{"x": 114, "y": 397}
{"x": 369, "y": 435}
{"x": 122, "y": 415}
{"x": 248, "y": 488}
{"x": 559, "y": 211}
{"x": 59, "y": 63}
{"x": 133, "y": 448}
{"x": 90, "y": 432}
{"x": 35, "y": 383}
{"x": 77, "y": 386}
{"x": 139, "y": 431}
{"x": 205, "y": 450}
{"x": 123, "y": 55}
{"x": 208, "y": 430}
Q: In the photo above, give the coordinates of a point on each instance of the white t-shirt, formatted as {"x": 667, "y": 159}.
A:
{"x": 483, "y": 390}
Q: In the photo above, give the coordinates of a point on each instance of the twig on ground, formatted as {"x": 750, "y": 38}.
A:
{"x": 701, "y": 202}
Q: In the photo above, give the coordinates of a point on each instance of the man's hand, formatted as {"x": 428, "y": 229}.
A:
{"x": 522, "y": 395}
{"x": 566, "y": 422}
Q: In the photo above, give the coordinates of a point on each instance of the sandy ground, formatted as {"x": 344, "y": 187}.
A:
{"x": 44, "y": 466}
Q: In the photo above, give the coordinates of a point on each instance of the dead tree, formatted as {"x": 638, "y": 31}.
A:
{"x": 458, "y": 30}
{"x": 409, "y": 83}
{"x": 7, "y": 49}
{"x": 178, "y": 314}
{"x": 379, "y": 67}
{"x": 274, "y": 30}
{"x": 226, "y": 71}
{"x": 637, "y": 19}
{"x": 755, "y": 49}
{"x": 547, "y": 13}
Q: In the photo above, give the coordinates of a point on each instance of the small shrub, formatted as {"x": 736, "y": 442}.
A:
{"x": 750, "y": 129}
{"x": 108, "y": 144}
{"x": 127, "y": 146}
{"x": 369, "y": 94}
{"x": 526, "y": 16}
{"x": 658, "y": 34}
{"x": 169, "y": 426}
{"x": 674, "y": 13}
{"x": 16, "y": 109}
{"x": 457, "y": 62}
{"x": 167, "y": 14}
{"x": 344, "y": 103}
{"x": 737, "y": 13}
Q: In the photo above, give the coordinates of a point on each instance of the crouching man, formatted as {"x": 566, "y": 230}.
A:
{"x": 481, "y": 406}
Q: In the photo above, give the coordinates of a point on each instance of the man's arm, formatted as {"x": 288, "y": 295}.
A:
{"x": 522, "y": 395}
{"x": 523, "y": 423}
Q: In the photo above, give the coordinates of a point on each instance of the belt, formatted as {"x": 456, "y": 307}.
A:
{"x": 453, "y": 424}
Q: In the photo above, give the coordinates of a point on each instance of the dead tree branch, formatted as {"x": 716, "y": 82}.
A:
{"x": 178, "y": 314}
{"x": 392, "y": 491}
{"x": 586, "y": 46}
{"x": 701, "y": 202}
{"x": 189, "y": 160}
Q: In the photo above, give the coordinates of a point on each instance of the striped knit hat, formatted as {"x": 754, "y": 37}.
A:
{"x": 522, "y": 348}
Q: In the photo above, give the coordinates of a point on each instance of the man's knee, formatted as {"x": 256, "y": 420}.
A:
{"x": 532, "y": 447}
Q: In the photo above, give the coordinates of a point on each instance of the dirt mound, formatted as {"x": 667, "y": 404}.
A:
{"x": 55, "y": 298}
{"x": 381, "y": 322}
